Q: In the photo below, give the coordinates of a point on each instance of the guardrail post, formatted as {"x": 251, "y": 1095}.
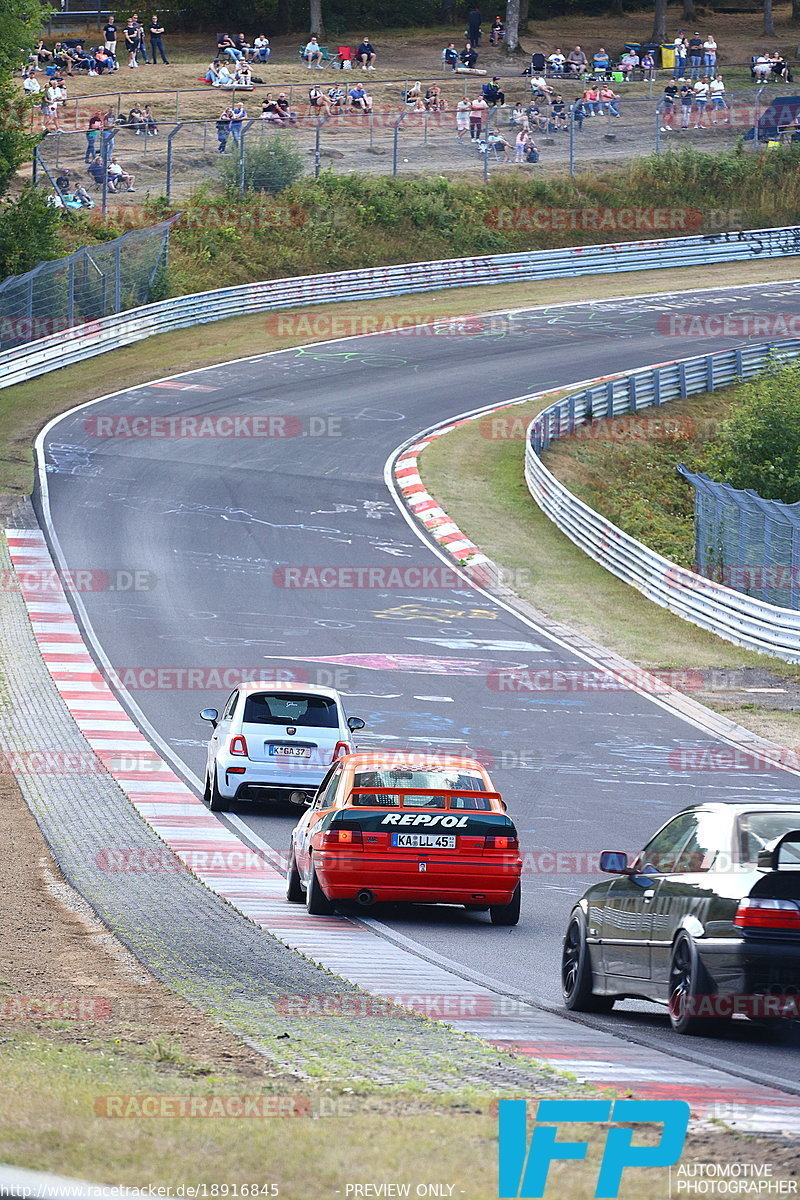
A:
{"x": 710, "y": 373}
{"x": 682, "y": 380}
{"x": 657, "y": 387}
{"x": 610, "y": 398}
{"x": 168, "y": 185}
{"x": 738, "y": 359}
{"x": 571, "y": 410}
{"x": 632, "y": 393}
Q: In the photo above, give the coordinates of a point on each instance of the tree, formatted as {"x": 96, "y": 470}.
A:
{"x": 689, "y": 13}
{"x": 795, "y": 11}
{"x": 316, "y": 24}
{"x": 524, "y": 6}
{"x": 659, "y": 33}
{"x": 19, "y": 27}
{"x": 769, "y": 20}
{"x": 512, "y": 45}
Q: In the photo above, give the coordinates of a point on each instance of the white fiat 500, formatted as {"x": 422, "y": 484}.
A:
{"x": 275, "y": 740}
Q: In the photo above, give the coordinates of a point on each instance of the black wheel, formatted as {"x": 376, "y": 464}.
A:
{"x": 690, "y": 991}
{"x": 576, "y": 971}
{"x": 507, "y": 914}
{"x": 294, "y": 890}
{"x": 317, "y": 902}
{"x": 215, "y": 801}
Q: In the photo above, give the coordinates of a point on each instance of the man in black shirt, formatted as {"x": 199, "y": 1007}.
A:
{"x": 695, "y": 56}
{"x": 156, "y": 44}
{"x": 474, "y": 26}
{"x": 110, "y": 35}
{"x": 668, "y": 106}
{"x": 365, "y": 54}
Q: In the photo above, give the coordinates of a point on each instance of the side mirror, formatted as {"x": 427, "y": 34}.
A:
{"x": 614, "y": 862}
{"x": 355, "y": 723}
{"x": 209, "y": 714}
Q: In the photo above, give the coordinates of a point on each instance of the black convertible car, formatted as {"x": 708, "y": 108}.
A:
{"x": 706, "y": 920}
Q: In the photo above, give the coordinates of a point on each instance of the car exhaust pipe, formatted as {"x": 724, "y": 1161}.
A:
{"x": 365, "y": 897}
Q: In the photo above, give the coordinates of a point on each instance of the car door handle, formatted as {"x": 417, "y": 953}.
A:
{"x": 648, "y": 896}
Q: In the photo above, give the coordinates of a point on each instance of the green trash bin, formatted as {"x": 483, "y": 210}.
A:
{"x": 617, "y": 77}
{"x": 668, "y": 55}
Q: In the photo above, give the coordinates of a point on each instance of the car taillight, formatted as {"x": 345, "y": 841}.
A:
{"x": 757, "y": 913}
{"x": 238, "y": 746}
{"x": 342, "y": 748}
{"x": 340, "y": 837}
{"x": 500, "y": 843}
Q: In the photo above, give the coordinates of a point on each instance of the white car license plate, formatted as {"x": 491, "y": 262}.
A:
{"x": 290, "y": 751}
{"x": 424, "y": 841}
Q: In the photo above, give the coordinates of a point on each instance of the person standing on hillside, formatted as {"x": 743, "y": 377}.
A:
{"x": 695, "y": 55}
{"x": 474, "y": 26}
{"x": 156, "y": 44}
{"x": 110, "y": 35}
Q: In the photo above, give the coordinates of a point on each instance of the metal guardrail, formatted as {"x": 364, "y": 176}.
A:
{"x": 732, "y": 615}
{"x": 123, "y": 329}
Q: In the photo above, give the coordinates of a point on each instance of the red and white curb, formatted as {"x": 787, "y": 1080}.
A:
{"x": 383, "y": 963}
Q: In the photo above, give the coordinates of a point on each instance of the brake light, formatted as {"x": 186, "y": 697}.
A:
{"x": 342, "y": 748}
{"x": 757, "y": 913}
{"x": 500, "y": 843}
{"x": 238, "y": 746}
{"x": 340, "y": 837}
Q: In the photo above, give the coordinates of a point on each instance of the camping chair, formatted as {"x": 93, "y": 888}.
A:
{"x": 326, "y": 59}
{"x": 344, "y": 58}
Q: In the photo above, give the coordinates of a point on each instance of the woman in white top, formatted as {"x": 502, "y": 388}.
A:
{"x": 717, "y": 91}
{"x": 462, "y": 118}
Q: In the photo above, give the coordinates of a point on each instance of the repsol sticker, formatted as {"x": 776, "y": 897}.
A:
{"x": 446, "y": 820}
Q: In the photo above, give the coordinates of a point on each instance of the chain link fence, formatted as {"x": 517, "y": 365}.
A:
{"x": 87, "y": 285}
{"x": 397, "y": 140}
{"x": 745, "y": 542}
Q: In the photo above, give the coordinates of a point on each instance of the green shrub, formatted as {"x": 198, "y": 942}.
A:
{"x": 271, "y": 164}
{"x": 29, "y": 232}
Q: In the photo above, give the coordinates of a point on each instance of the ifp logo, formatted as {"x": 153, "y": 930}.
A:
{"x": 523, "y": 1167}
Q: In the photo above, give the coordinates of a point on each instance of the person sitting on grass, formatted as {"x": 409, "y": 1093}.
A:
{"x": 225, "y": 77}
{"x": 498, "y": 32}
{"x": 434, "y": 100}
{"x": 359, "y": 98}
{"x": 212, "y": 73}
{"x": 261, "y": 49}
{"x": 243, "y": 78}
{"x": 468, "y": 56}
{"x": 283, "y": 109}
{"x": 609, "y": 100}
{"x": 450, "y": 56}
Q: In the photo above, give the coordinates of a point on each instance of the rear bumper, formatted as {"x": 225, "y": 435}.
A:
{"x": 421, "y": 880}
{"x": 751, "y": 967}
{"x": 264, "y": 776}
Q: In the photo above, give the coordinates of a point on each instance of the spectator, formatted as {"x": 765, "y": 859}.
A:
{"x": 498, "y": 32}
{"x": 136, "y": 119}
{"x": 261, "y": 49}
{"x": 709, "y": 52}
{"x": 49, "y": 111}
{"x": 359, "y": 98}
{"x": 365, "y": 54}
{"x": 478, "y": 110}
{"x": 225, "y": 77}
{"x": 517, "y": 115}
{"x": 238, "y": 117}
{"x": 39, "y": 55}
{"x": 30, "y": 83}
{"x": 243, "y": 76}
{"x": 492, "y": 93}
{"x": 556, "y": 62}
{"x": 156, "y": 43}
{"x": 242, "y": 47}
{"x": 63, "y": 181}
{"x": 141, "y": 47}
{"x": 668, "y": 106}
{"x": 577, "y": 61}
{"x": 223, "y": 130}
{"x": 61, "y": 58}
{"x": 78, "y": 58}
{"x": 269, "y": 110}
{"x": 495, "y": 141}
{"x": 212, "y": 74}
{"x": 118, "y": 176}
{"x": 103, "y": 61}
{"x": 681, "y": 55}
{"x": 131, "y": 35}
{"x": 98, "y": 173}
{"x": 520, "y": 143}
{"x": 81, "y": 195}
{"x": 536, "y": 119}
{"x": 110, "y": 35}
{"x": 601, "y": 63}
{"x": 151, "y": 125}
{"x": 463, "y": 109}
{"x": 226, "y": 45}
{"x": 578, "y": 113}
{"x": 628, "y": 64}
{"x": 717, "y": 92}
{"x": 337, "y": 96}
{"x": 474, "y": 27}
{"x": 434, "y": 100}
{"x": 450, "y": 56}
{"x": 558, "y": 112}
{"x": 318, "y": 102}
{"x": 762, "y": 68}
{"x": 609, "y": 100}
{"x": 780, "y": 68}
{"x": 313, "y": 54}
{"x": 468, "y": 56}
{"x": 531, "y": 151}
{"x": 540, "y": 88}
{"x": 701, "y": 91}
{"x": 591, "y": 101}
{"x": 695, "y": 55}
{"x": 687, "y": 100}
{"x": 648, "y": 66}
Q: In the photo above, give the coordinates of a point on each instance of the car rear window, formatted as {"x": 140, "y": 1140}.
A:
{"x": 420, "y": 777}
{"x": 474, "y": 803}
{"x": 757, "y": 830}
{"x": 276, "y": 708}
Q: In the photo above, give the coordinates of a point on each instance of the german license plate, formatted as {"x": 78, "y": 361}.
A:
{"x": 424, "y": 841}
{"x": 290, "y": 752}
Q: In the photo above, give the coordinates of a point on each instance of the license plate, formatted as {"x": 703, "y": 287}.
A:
{"x": 424, "y": 841}
{"x": 290, "y": 751}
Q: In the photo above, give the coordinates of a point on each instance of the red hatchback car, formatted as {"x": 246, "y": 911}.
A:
{"x": 407, "y": 827}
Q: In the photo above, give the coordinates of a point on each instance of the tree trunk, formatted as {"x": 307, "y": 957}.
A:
{"x": 284, "y": 16}
{"x": 795, "y": 12}
{"x": 617, "y": 8}
{"x": 659, "y": 33}
{"x": 512, "y": 45}
{"x": 689, "y": 13}
{"x": 525, "y": 4}
{"x": 316, "y": 26}
{"x": 769, "y": 20}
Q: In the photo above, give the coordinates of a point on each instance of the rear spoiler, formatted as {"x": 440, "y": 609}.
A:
{"x": 446, "y": 792}
{"x": 769, "y": 858}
